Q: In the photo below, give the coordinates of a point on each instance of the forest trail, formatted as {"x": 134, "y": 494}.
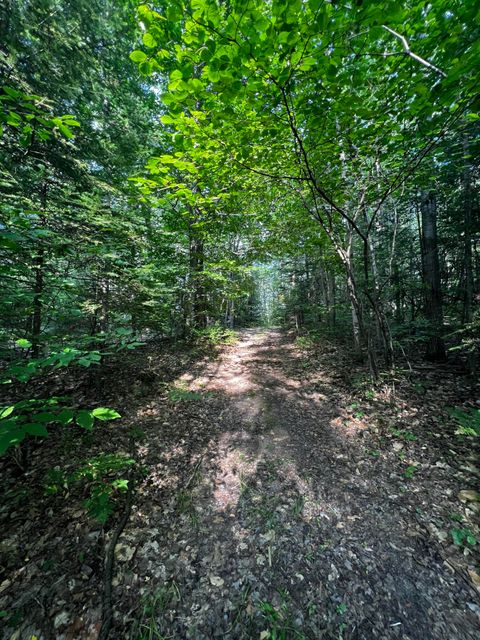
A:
{"x": 273, "y": 513}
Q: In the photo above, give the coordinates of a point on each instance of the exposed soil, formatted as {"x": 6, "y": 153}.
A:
{"x": 280, "y": 494}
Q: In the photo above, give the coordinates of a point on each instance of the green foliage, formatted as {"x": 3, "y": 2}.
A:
{"x": 215, "y": 335}
{"x": 410, "y": 471}
{"x": 463, "y": 536}
{"x": 179, "y": 393}
{"x": 404, "y": 434}
{"x": 468, "y": 421}
{"x": 32, "y": 417}
{"x": 469, "y": 336}
{"x": 102, "y": 476}
{"x": 279, "y": 625}
{"x": 27, "y": 115}
{"x": 147, "y": 626}
{"x": 304, "y": 342}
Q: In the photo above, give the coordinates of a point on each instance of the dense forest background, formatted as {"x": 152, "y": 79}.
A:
{"x": 330, "y": 186}
{"x": 171, "y": 172}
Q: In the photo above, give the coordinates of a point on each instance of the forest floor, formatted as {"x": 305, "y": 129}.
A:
{"x": 280, "y": 496}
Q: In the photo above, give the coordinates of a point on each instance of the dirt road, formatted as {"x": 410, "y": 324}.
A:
{"x": 281, "y": 517}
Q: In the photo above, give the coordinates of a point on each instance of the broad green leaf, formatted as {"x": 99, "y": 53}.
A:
{"x": 10, "y": 439}
{"x": 65, "y": 416}
{"x": 6, "y": 412}
{"x": 23, "y": 343}
{"x": 84, "y": 419}
{"x": 44, "y": 417}
{"x": 149, "y": 41}
{"x": 35, "y": 429}
{"x": 138, "y": 56}
{"x": 102, "y": 413}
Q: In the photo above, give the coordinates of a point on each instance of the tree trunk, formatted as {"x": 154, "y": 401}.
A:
{"x": 431, "y": 278}
{"x": 39, "y": 265}
{"x": 467, "y": 311}
{"x": 37, "y": 301}
{"x": 198, "y": 310}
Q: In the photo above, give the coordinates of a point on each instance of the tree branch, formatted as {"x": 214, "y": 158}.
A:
{"x": 409, "y": 52}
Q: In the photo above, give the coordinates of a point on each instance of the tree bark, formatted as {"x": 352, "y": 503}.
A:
{"x": 39, "y": 266}
{"x": 198, "y": 309}
{"x": 467, "y": 311}
{"x": 435, "y": 349}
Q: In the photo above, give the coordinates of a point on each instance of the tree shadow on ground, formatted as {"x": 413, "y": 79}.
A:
{"x": 261, "y": 514}
{"x": 289, "y": 526}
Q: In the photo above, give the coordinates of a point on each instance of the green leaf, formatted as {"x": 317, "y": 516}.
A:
{"x": 65, "y": 416}
{"x": 138, "y": 56}
{"x": 176, "y": 75}
{"x": 35, "y": 429}
{"x": 99, "y": 505}
{"x": 85, "y": 420}
{"x": 44, "y": 417}
{"x": 121, "y": 484}
{"x": 23, "y": 343}
{"x": 471, "y": 539}
{"x": 10, "y": 439}
{"x": 65, "y": 131}
{"x": 212, "y": 74}
{"x": 6, "y": 412}
{"x": 410, "y": 471}
{"x": 102, "y": 413}
{"x": 146, "y": 67}
{"x": 167, "y": 119}
{"x": 149, "y": 41}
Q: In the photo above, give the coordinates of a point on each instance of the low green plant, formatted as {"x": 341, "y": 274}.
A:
{"x": 408, "y": 436}
{"x": 410, "y": 471}
{"x": 279, "y": 624}
{"x": 462, "y": 536}
{"x": 469, "y": 337}
{"x": 32, "y": 417}
{"x": 103, "y": 477}
{"x": 81, "y": 354}
{"x": 153, "y": 605}
{"x": 215, "y": 335}
{"x": 456, "y": 517}
{"x": 304, "y": 342}
{"x": 180, "y": 394}
{"x": 468, "y": 421}
{"x": 298, "y": 506}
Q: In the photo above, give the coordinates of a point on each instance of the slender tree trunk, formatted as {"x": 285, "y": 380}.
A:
{"x": 331, "y": 288}
{"x": 39, "y": 266}
{"x": 467, "y": 311}
{"x": 39, "y": 262}
{"x": 398, "y": 295}
{"x": 361, "y": 335}
{"x": 356, "y": 331}
{"x": 198, "y": 310}
{"x": 431, "y": 277}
